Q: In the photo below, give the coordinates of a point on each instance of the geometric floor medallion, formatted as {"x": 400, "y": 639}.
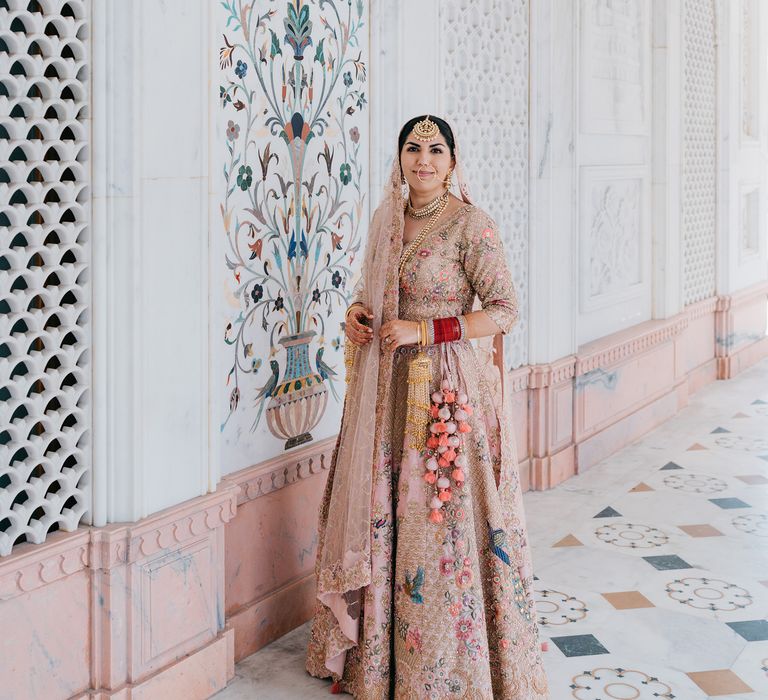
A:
{"x": 709, "y": 594}
{"x": 619, "y": 683}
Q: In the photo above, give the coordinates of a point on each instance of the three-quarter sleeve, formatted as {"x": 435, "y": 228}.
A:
{"x": 488, "y": 272}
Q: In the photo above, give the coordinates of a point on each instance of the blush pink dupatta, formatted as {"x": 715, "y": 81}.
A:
{"x": 344, "y": 562}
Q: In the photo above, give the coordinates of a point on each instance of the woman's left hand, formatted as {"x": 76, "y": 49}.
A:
{"x": 393, "y": 334}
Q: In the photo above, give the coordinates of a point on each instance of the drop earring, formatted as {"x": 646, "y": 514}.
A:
{"x": 447, "y": 182}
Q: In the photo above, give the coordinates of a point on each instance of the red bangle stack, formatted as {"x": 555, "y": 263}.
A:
{"x": 446, "y": 329}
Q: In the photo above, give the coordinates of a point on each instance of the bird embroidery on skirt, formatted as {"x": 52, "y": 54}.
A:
{"x": 413, "y": 586}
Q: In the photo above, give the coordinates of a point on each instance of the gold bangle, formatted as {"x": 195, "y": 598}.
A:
{"x": 418, "y": 334}
{"x": 352, "y": 306}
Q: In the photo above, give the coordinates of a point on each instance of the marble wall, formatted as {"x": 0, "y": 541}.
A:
{"x": 613, "y": 160}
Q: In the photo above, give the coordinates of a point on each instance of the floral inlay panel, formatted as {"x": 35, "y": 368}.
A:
{"x": 293, "y": 93}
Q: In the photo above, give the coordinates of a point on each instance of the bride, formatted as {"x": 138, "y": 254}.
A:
{"x": 424, "y": 579}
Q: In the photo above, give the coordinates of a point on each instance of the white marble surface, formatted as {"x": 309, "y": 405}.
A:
{"x": 666, "y": 640}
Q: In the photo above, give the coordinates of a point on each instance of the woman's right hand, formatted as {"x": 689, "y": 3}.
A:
{"x": 357, "y": 332}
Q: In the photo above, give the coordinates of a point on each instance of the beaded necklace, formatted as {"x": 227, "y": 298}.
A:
{"x": 429, "y": 209}
{"x": 416, "y": 242}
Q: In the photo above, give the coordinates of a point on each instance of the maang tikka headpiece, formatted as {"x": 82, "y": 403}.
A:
{"x": 425, "y": 130}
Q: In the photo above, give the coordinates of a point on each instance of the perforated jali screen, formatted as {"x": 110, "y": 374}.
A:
{"x": 44, "y": 287}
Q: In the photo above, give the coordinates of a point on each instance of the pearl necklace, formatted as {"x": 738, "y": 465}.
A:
{"x": 429, "y": 209}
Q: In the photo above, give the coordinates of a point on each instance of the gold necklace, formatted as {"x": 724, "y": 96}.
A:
{"x": 429, "y": 209}
{"x": 416, "y": 242}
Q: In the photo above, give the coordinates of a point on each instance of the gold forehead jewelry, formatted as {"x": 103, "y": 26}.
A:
{"x": 425, "y": 130}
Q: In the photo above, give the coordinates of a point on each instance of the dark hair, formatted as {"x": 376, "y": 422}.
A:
{"x": 445, "y": 130}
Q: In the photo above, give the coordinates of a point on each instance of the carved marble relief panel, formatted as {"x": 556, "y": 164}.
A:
{"x": 614, "y": 234}
{"x": 613, "y": 66}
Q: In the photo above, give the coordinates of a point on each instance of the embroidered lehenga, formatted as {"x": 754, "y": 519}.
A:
{"x": 427, "y": 610}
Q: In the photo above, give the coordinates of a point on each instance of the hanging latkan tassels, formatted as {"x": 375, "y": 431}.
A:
{"x": 417, "y": 417}
{"x": 450, "y": 412}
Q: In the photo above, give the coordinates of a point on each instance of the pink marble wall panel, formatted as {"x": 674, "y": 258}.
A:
{"x": 272, "y": 542}
{"x": 272, "y": 616}
{"x": 592, "y": 449}
{"x": 195, "y": 677}
{"x": 747, "y": 325}
{"x": 133, "y": 610}
{"x": 746, "y": 357}
{"x": 176, "y": 603}
{"x": 701, "y": 376}
{"x": 44, "y": 641}
{"x": 562, "y": 415}
{"x": 697, "y": 342}
{"x": 606, "y": 393}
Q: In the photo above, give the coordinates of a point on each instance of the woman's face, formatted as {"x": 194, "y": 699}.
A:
{"x": 426, "y": 164}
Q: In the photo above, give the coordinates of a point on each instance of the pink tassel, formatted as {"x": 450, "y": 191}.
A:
{"x": 545, "y": 646}
{"x": 435, "y": 516}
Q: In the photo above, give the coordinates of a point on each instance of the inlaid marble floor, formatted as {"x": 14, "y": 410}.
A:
{"x": 652, "y": 567}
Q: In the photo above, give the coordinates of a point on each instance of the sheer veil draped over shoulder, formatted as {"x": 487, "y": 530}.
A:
{"x": 344, "y": 560}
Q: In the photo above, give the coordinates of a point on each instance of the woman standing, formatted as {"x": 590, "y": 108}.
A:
{"x": 424, "y": 572}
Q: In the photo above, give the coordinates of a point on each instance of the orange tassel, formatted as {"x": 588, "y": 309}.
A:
{"x": 435, "y": 516}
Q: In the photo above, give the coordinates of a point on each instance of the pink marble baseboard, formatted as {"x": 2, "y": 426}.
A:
{"x": 271, "y": 545}
{"x": 125, "y": 611}
{"x": 597, "y": 447}
{"x": 197, "y": 676}
{"x": 271, "y": 617}
{"x": 740, "y": 329}
{"x": 742, "y": 359}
